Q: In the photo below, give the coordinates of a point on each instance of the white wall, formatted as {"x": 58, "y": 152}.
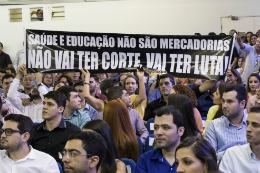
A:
{"x": 162, "y": 17}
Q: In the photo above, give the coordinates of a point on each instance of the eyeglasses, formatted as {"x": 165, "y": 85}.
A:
{"x": 70, "y": 154}
{"x": 9, "y": 132}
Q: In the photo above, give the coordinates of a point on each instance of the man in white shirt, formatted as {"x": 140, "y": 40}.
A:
{"x": 18, "y": 156}
{"x": 34, "y": 108}
{"x": 245, "y": 158}
{"x": 19, "y": 59}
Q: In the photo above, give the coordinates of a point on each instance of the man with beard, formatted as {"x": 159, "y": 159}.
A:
{"x": 245, "y": 158}
{"x": 168, "y": 129}
{"x": 18, "y": 155}
{"x": 230, "y": 129}
{"x": 93, "y": 86}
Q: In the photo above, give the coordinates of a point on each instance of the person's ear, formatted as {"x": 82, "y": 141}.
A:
{"x": 181, "y": 131}
{"x": 94, "y": 160}
{"x": 67, "y": 102}
{"x": 61, "y": 109}
{"x": 242, "y": 104}
{"x": 26, "y": 136}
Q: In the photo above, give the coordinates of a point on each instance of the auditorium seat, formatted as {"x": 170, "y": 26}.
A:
{"x": 149, "y": 142}
{"x": 140, "y": 144}
{"x": 130, "y": 165}
{"x": 150, "y": 125}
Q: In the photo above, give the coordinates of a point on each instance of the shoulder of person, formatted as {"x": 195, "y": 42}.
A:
{"x": 72, "y": 126}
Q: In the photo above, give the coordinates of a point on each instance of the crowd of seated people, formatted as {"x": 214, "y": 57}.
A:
{"x": 79, "y": 122}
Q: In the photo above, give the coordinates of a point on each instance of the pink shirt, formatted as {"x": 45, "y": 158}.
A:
{"x": 252, "y": 102}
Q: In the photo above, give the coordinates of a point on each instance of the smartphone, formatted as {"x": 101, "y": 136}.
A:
{"x": 241, "y": 34}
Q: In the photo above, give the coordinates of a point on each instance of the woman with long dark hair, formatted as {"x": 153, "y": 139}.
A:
{"x": 184, "y": 105}
{"x": 196, "y": 155}
{"x": 185, "y": 90}
{"x": 112, "y": 162}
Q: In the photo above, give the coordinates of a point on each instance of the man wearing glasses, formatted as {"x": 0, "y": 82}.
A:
{"x": 18, "y": 156}
{"x": 84, "y": 152}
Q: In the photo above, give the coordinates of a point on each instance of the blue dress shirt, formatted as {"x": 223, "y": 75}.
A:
{"x": 91, "y": 111}
{"x": 222, "y": 134}
{"x": 78, "y": 118}
{"x": 154, "y": 95}
{"x": 153, "y": 162}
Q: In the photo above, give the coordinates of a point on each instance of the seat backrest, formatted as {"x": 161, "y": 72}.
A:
{"x": 60, "y": 168}
{"x": 149, "y": 142}
{"x": 35, "y": 123}
{"x": 150, "y": 125}
{"x": 140, "y": 144}
{"x": 130, "y": 165}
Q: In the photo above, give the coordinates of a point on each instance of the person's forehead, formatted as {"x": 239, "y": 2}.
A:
{"x": 73, "y": 93}
{"x": 164, "y": 119}
{"x": 230, "y": 95}
{"x": 74, "y": 144}
{"x": 10, "y": 79}
{"x": 11, "y": 125}
{"x": 29, "y": 76}
{"x": 254, "y": 117}
{"x": 78, "y": 87}
{"x": 63, "y": 79}
{"x": 185, "y": 152}
{"x": 49, "y": 100}
{"x": 130, "y": 79}
{"x": 165, "y": 80}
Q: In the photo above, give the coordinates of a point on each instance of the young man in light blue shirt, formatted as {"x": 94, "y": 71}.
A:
{"x": 245, "y": 158}
{"x": 72, "y": 112}
{"x": 230, "y": 129}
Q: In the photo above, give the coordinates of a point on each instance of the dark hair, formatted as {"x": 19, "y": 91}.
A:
{"x": 167, "y": 76}
{"x": 25, "y": 124}
{"x": 185, "y": 90}
{"x": 66, "y": 90}
{"x": 96, "y": 78}
{"x": 237, "y": 75}
{"x": 115, "y": 92}
{"x": 58, "y": 97}
{"x": 58, "y": 82}
{"x": 240, "y": 89}
{"x": 93, "y": 143}
{"x": 38, "y": 11}
{"x": 251, "y": 37}
{"x": 1, "y": 104}
{"x": 7, "y": 76}
{"x": 10, "y": 68}
{"x": 107, "y": 83}
{"x": 202, "y": 150}
{"x": 238, "y": 60}
{"x": 222, "y": 34}
{"x": 197, "y": 34}
{"x": 184, "y": 105}
{"x": 79, "y": 83}
{"x": 221, "y": 89}
{"x": 136, "y": 80}
{"x": 69, "y": 80}
{"x": 2, "y": 44}
{"x": 255, "y": 75}
{"x": 108, "y": 165}
{"x": 255, "y": 109}
{"x": 249, "y": 32}
{"x": 233, "y": 30}
{"x": 171, "y": 110}
{"x": 2, "y": 70}
{"x": 52, "y": 79}
{"x": 212, "y": 33}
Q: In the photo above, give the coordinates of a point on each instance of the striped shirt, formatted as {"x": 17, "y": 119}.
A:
{"x": 223, "y": 135}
